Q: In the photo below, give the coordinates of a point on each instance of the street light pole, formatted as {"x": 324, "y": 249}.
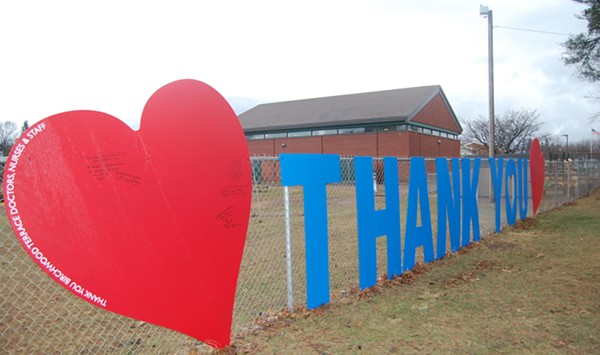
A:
{"x": 567, "y": 146}
{"x": 486, "y": 12}
{"x": 568, "y": 168}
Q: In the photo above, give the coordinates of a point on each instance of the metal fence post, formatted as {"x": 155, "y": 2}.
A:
{"x": 588, "y": 165}
{"x": 555, "y": 183}
{"x": 568, "y": 181}
{"x": 288, "y": 249}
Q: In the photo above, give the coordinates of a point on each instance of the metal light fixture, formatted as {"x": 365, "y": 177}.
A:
{"x": 483, "y": 10}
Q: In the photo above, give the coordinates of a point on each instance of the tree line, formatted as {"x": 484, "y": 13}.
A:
{"x": 513, "y": 132}
{"x": 515, "y": 129}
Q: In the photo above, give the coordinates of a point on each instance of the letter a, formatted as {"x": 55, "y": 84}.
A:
{"x": 417, "y": 236}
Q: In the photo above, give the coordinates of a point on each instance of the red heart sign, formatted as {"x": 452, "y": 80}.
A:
{"x": 149, "y": 224}
{"x": 537, "y": 165}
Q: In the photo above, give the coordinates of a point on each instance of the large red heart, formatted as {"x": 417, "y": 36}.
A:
{"x": 149, "y": 224}
{"x": 537, "y": 165}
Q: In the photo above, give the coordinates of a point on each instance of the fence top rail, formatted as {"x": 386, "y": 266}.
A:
{"x": 348, "y": 157}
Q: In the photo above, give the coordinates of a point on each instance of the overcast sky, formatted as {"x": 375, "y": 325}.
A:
{"x": 112, "y": 55}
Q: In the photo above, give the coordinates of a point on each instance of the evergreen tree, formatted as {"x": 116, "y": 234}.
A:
{"x": 583, "y": 50}
{"x": 25, "y": 126}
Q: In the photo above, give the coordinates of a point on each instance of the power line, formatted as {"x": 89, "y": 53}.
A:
{"x": 536, "y": 31}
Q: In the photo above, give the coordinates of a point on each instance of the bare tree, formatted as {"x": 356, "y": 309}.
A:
{"x": 513, "y": 134}
{"x": 8, "y": 136}
{"x": 585, "y": 148}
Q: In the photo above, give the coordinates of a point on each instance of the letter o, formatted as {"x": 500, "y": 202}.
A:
{"x": 511, "y": 206}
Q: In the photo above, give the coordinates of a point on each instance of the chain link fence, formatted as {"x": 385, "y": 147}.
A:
{"x": 39, "y": 316}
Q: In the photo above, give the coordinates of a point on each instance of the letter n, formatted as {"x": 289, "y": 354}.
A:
{"x": 470, "y": 207}
{"x": 448, "y": 204}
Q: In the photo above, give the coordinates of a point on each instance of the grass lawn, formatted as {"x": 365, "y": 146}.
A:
{"x": 534, "y": 288}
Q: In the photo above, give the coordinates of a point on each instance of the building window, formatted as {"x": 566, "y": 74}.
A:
{"x": 299, "y": 134}
{"x": 351, "y": 130}
{"x": 381, "y": 128}
{"x": 275, "y": 135}
{"x": 255, "y": 136}
{"x": 324, "y": 132}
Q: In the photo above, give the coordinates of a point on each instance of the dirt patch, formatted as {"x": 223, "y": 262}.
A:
{"x": 526, "y": 224}
{"x": 471, "y": 275}
{"x": 502, "y": 245}
{"x": 274, "y": 321}
{"x": 485, "y": 265}
{"x": 461, "y": 278}
{"x": 467, "y": 248}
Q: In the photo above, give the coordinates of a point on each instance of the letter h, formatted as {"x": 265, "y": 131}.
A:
{"x": 374, "y": 223}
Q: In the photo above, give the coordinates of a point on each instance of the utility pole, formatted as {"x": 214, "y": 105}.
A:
{"x": 486, "y": 12}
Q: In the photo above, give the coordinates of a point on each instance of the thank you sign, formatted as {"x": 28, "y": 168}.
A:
{"x": 457, "y": 182}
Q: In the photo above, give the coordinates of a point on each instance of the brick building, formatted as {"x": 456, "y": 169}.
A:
{"x": 404, "y": 122}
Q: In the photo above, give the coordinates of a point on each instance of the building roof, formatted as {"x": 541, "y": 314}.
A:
{"x": 334, "y": 111}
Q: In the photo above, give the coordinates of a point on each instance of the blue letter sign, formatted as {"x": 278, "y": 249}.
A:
{"x": 374, "y": 223}
{"x": 417, "y": 236}
{"x": 324, "y": 169}
{"x": 457, "y": 211}
{"x": 470, "y": 208}
{"x": 496, "y": 174}
{"x": 448, "y": 205}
